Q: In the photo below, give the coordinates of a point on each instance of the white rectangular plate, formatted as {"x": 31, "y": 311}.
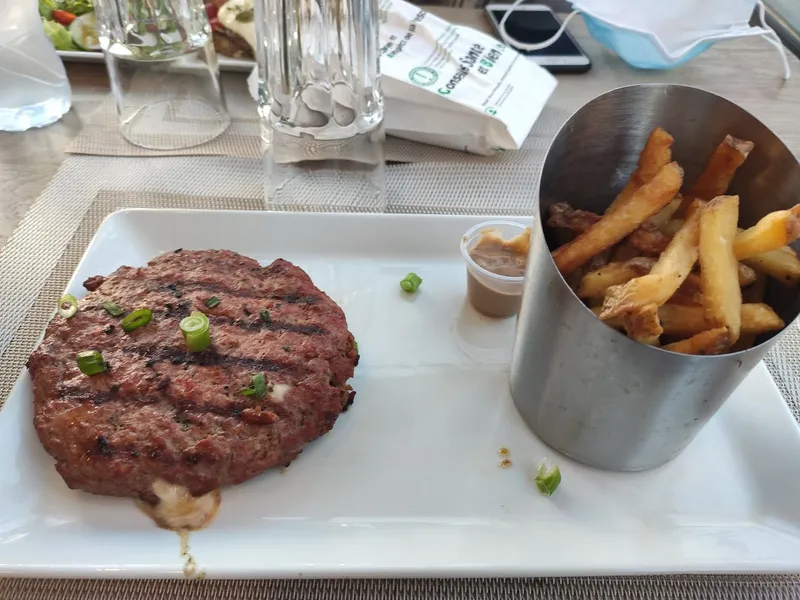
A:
{"x": 407, "y": 483}
{"x": 225, "y": 63}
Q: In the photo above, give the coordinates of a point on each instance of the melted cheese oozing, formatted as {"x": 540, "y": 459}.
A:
{"x": 178, "y": 510}
{"x": 279, "y": 392}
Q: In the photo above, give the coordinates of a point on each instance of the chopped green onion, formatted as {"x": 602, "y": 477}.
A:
{"x": 212, "y": 302}
{"x": 196, "y": 332}
{"x": 67, "y": 306}
{"x": 547, "y": 479}
{"x": 355, "y": 345}
{"x": 91, "y": 362}
{"x": 265, "y": 316}
{"x": 113, "y": 309}
{"x": 258, "y": 386}
{"x": 138, "y": 318}
{"x": 410, "y": 283}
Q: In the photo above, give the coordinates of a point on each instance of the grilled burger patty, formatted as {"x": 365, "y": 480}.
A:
{"x": 163, "y": 412}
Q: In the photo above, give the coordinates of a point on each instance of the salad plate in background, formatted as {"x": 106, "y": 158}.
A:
{"x": 71, "y": 26}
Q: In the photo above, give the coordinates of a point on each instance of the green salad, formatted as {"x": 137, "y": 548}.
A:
{"x": 70, "y": 24}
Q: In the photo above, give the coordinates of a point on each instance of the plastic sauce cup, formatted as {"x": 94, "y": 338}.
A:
{"x": 489, "y": 293}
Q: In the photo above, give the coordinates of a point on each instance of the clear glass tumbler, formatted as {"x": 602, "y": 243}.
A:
{"x": 34, "y": 90}
{"x": 163, "y": 70}
{"x": 321, "y": 100}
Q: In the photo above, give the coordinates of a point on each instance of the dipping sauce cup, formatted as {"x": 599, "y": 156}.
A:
{"x": 490, "y": 293}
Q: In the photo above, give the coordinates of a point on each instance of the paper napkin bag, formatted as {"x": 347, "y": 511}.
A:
{"x": 453, "y": 86}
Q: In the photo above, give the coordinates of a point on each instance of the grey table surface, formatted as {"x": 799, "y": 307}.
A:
{"x": 28, "y": 160}
{"x": 747, "y": 71}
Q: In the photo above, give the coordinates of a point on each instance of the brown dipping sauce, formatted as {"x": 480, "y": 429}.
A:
{"x": 501, "y": 257}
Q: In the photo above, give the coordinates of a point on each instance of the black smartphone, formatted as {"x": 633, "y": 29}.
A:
{"x": 535, "y": 23}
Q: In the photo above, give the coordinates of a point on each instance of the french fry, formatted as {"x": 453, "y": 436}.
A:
{"x": 563, "y": 216}
{"x": 656, "y": 154}
{"x": 690, "y": 293}
{"x": 636, "y": 266}
{"x": 683, "y": 321}
{"x": 711, "y": 341}
{"x": 792, "y": 232}
{"x": 686, "y": 321}
{"x": 624, "y": 252}
{"x": 782, "y": 264}
{"x": 648, "y": 239}
{"x": 753, "y": 294}
{"x": 758, "y": 318}
{"x": 722, "y": 296}
{"x": 721, "y": 167}
{"x": 652, "y": 242}
{"x": 599, "y": 260}
{"x": 672, "y": 226}
{"x": 661, "y": 218}
{"x": 574, "y": 279}
{"x": 595, "y": 283}
{"x": 613, "y": 227}
{"x": 776, "y": 230}
{"x": 643, "y": 325}
{"x": 670, "y": 271}
{"x": 694, "y": 204}
{"x": 746, "y": 275}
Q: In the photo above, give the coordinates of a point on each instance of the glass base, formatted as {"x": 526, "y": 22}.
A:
{"x": 305, "y": 173}
{"x": 174, "y": 124}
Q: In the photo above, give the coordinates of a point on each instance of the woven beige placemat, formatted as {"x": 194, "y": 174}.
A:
{"x": 100, "y": 136}
{"x": 27, "y": 331}
{"x": 569, "y": 588}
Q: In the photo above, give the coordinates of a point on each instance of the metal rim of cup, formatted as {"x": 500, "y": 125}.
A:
{"x": 623, "y": 336}
{"x": 470, "y": 233}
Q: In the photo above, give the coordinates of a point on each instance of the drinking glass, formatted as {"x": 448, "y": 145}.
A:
{"x": 321, "y": 102}
{"x": 163, "y": 71}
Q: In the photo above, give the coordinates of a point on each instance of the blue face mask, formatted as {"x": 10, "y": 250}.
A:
{"x": 650, "y": 34}
{"x": 637, "y": 49}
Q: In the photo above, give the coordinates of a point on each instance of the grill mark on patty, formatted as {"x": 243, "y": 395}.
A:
{"x": 271, "y": 326}
{"x": 181, "y": 310}
{"x": 178, "y": 356}
{"x": 101, "y": 397}
{"x": 259, "y": 325}
{"x": 210, "y": 358}
{"x": 231, "y": 410}
{"x": 182, "y": 406}
{"x": 181, "y": 287}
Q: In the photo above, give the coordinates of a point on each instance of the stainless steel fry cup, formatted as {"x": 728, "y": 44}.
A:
{"x": 584, "y": 388}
